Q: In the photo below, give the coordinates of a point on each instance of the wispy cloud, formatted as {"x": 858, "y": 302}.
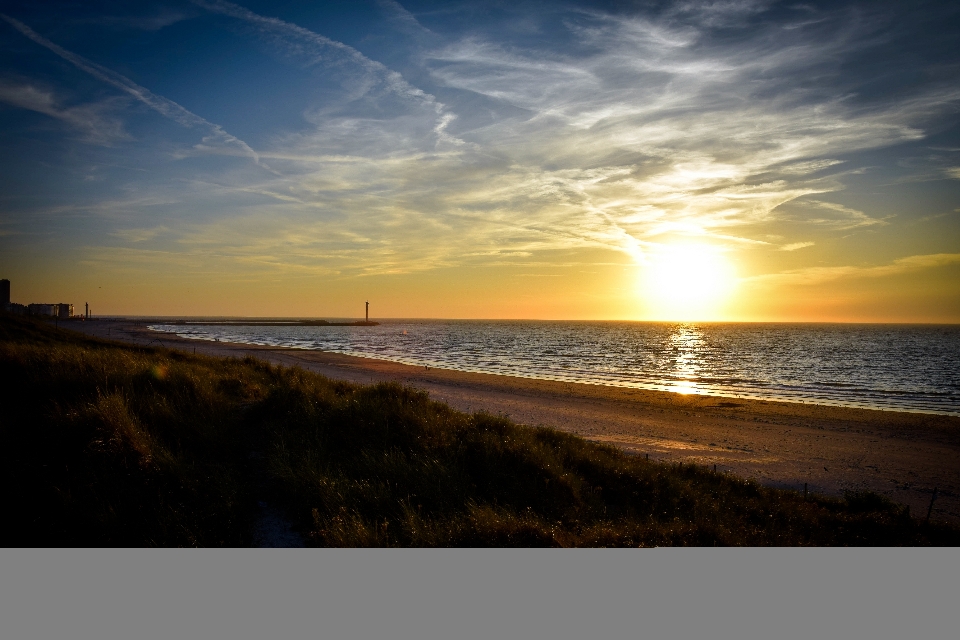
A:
{"x": 139, "y": 235}
{"x": 714, "y": 120}
{"x": 818, "y": 275}
{"x": 709, "y": 115}
{"x": 150, "y": 21}
{"x": 96, "y": 122}
{"x": 796, "y": 245}
{"x": 403, "y": 20}
{"x": 314, "y": 48}
{"x": 838, "y": 216}
{"x": 719, "y": 13}
{"x": 626, "y": 131}
{"x": 216, "y": 139}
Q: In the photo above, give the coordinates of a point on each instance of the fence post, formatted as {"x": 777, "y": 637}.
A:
{"x": 930, "y": 508}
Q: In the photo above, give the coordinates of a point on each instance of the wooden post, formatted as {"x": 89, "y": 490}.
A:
{"x": 930, "y": 508}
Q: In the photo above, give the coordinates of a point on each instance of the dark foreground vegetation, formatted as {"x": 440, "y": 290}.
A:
{"x": 109, "y": 444}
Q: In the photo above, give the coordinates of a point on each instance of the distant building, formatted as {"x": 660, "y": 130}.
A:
{"x": 58, "y": 310}
{"x": 41, "y": 309}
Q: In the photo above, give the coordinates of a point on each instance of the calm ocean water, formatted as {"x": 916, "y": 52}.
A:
{"x": 912, "y": 368}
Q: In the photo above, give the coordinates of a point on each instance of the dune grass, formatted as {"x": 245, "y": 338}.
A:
{"x": 111, "y": 444}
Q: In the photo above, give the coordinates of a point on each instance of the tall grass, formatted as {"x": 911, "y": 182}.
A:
{"x": 109, "y": 444}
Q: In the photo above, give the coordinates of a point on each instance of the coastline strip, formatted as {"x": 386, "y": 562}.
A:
{"x": 901, "y": 455}
{"x": 819, "y": 393}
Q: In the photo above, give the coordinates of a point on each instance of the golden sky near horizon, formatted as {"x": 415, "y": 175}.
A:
{"x": 752, "y": 161}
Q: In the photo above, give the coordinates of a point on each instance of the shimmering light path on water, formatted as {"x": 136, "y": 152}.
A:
{"x": 902, "y": 367}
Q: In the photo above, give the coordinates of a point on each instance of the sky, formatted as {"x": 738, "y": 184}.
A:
{"x": 726, "y": 160}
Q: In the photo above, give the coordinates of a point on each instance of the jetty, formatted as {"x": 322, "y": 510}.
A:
{"x": 274, "y": 323}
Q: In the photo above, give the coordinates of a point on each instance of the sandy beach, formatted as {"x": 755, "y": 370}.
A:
{"x": 903, "y": 456}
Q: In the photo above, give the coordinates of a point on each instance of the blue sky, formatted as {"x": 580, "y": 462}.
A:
{"x": 481, "y": 159}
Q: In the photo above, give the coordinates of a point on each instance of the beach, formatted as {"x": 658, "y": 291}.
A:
{"x": 903, "y": 456}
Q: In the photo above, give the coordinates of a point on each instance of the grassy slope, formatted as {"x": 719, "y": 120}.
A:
{"x": 108, "y": 444}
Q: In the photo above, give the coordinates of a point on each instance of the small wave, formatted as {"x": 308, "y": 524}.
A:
{"x": 909, "y": 369}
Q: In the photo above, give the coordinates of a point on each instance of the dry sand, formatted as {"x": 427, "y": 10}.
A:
{"x": 903, "y": 456}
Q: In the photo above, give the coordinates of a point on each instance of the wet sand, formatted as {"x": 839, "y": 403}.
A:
{"x": 903, "y": 456}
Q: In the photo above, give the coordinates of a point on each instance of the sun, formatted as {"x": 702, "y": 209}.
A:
{"x": 686, "y": 282}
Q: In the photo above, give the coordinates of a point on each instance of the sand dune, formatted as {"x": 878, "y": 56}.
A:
{"x": 833, "y": 449}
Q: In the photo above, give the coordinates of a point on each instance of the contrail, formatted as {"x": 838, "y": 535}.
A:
{"x": 407, "y": 21}
{"x": 167, "y": 108}
{"x": 393, "y": 80}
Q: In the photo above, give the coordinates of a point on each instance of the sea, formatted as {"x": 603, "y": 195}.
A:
{"x": 893, "y": 367}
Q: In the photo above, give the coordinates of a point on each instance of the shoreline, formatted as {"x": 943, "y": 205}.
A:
{"x": 903, "y": 403}
{"x": 732, "y": 396}
{"x": 901, "y": 455}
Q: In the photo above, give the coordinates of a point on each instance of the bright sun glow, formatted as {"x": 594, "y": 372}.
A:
{"x": 687, "y": 282}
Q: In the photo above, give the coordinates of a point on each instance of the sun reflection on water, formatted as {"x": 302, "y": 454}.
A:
{"x": 686, "y": 342}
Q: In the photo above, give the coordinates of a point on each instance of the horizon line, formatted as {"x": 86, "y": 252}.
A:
{"x": 440, "y": 319}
